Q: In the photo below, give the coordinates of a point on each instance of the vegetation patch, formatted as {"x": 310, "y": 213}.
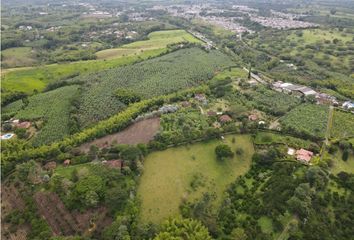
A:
{"x": 307, "y": 119}
{"x": 342, "y": 125}
{"x": 168, "y": 175}
{"x": 157, "y": 40}
{"x": 267, "y": 138}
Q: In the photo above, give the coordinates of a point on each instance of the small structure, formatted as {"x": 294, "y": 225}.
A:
{"x": 291, "y": 151}
{"x": 211, "y": 113}
{"x": 7, "y": 136}
{"x": 252, "y": 117}
{"x": 116, "y": 164}
{"x": 168, "y": 109}
{"x": 67, "y": 162}
{"x": 50, "y": 166}
{"x": 303, "y": 155}
{"x": 24, "y": 125}
{"x": 261, "y": 123}
{"x": 200, "y": 97}
{"x": 348, "y": 105}
{"x": 225, "y": 119}
{"x": 323, "y": 98}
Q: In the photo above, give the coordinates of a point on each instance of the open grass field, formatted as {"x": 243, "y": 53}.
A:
{"x": 157, "y": 40}
{"x": 17, "y": 57}
{"x": 315, "y": 35}
{"x": 339, "y": 165}
{"x": 28, "y": 79}
{"x": 168, "y": 174}
{"x": 232, "y": 73}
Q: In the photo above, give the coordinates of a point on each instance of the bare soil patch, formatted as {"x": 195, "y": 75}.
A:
{"x": 65, "y": 222}
{"x": 139, "y": 132}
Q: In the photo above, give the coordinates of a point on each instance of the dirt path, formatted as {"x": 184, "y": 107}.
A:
{"x": 286, "y": 229}
{"x": 139, "y": 132}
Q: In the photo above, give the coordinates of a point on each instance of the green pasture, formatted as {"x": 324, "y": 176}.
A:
{"x": 168, "y": 175}
{"x": 157, "y": 40}
{"x": 267, "y": 138}
{"x": 316, "y": 35}
{"x": 17, "y": 57}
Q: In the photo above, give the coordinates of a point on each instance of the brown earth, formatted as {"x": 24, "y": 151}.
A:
{"x": 66, "y": 223}
{"x": 139, "y": 132}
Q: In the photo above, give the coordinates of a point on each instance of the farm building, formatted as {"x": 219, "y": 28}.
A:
{"x": 323, "y": 98}
{"x": 299, "y": 90}
{"x": 348, "y": 105}
{"x": 225, "y": 118}
{"x": 303, "y": 155}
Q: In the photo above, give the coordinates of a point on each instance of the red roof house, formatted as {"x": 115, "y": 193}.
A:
{"x": 253, "y": 117}
{"x": 225, "y": 118}
{"x": 304, "y": 155}
{"x": 67, "y": 162}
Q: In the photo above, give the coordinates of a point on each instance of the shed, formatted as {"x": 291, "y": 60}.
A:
{"x": 225, "y": 118}
{"x": 67, "y": 162}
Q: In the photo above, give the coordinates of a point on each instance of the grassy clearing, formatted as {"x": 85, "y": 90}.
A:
{"x": 315, "y": 35}
{"x": 17, "y": 57}
{"x": 168, "y": 175}
{"x": 339, "y": 165}
{"x": 157, "y": 40}
{"x": 66, "y": 172}
{"x": 266, "y": 224}
{"x": 29, "y": 79}
{"x": 232, "y": 73}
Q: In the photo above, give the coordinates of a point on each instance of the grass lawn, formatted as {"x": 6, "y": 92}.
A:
{"x": 168, "y": 175}
{"x": 339, "y": 165}
{"x": 315, "y": 35}
{"x": 66, "y": 172}
{"x": 17, "y": 57}
{"x": 157, "y": 40}
{"x": 266, "y": 224}
{"x": 233, "y": 74}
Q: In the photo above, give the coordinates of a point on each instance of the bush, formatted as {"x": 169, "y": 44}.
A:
{"x": 223, "y": 151}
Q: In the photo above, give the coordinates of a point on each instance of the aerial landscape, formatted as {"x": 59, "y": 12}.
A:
{"x": 177, "y": 120}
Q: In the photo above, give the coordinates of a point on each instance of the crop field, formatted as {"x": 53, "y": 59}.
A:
{"x": 157, "y": 40}
{"x": 267, "y": 138}
{"x": 343, "y": 125}
{"x": 37, "y": 78}
{"x": 175, "y": 71}
{"x": 168, "y": 174}
{"x": 53, "y": 107}
{"x": 273, "y": 102}
{"x": 139, "y": 132}
{"x": 307, "y": 119}
{"x": 17, "y": 57}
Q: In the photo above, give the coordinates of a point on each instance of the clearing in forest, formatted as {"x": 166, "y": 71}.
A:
{"x": 170, "y": 174}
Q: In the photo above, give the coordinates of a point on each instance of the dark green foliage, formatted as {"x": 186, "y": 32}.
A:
{"x": 223, "y": 151}
{"x": 127, "y": 96}
{"x": 21, "y": 133}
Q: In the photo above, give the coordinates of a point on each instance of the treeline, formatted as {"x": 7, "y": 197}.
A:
{"x": 12, "y": 156}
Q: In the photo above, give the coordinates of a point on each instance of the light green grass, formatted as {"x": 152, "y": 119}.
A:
{"x": 168, "y": 174}
{"x": 17, "y": 57}
{"x": 233, "y": 74}
{"x": 315, "y": 35}
{"x": 339, "y": 165}
{"x": 29, "y": 79}
{"x": 157, "y": 40}
{"x": 66, "y": 172}
{"x": 266, "y": 224}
